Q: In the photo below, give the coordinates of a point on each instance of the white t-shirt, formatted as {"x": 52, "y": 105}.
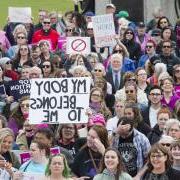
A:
{"x": 153, "y": 116}
{"x": 111, "y": 125}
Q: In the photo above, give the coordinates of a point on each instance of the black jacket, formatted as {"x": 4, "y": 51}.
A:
{"x": 155, "y": 135}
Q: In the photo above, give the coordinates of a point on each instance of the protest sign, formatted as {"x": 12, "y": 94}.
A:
{"x": 59, "y": 100}
{"x": 104, "y": 30}
{"x": 19, "y": 14}
{"x": 2, "y": 90}
{"x": 19, "y": 88}
{"x": 78, "y": 45}
{"x": 32, "y": 176}
{"x": 55, "y": 150}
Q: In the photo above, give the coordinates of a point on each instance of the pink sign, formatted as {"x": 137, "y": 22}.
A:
{"x": 25, "y": 156}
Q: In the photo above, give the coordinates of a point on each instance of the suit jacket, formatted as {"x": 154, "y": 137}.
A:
{"x": 109, "y": 78}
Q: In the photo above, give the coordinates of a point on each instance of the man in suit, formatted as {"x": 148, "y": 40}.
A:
{"x": 114, "y": 77}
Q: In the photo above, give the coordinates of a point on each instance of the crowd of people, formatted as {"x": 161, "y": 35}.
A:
{"x": 133, "y": 129}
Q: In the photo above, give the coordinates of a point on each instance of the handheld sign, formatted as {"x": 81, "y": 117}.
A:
{"x": 104, "y": 30}
{"x": 59, "y": 100}
{"x": 19, "y": 14}
{"x": 78, "y": 45}
{"x": 19, "y": 88}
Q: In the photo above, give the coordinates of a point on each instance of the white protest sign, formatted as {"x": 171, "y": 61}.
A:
{"x": 78, "y": 45}
{"x": 59, "y": 100}
{"x": 19, "y": 14}
{"x": 32, "y": 176}
{"x": 104, "y": 30}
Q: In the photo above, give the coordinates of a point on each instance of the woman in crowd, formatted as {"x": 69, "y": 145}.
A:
{"x": 19, "y": 115}
{"x": 150, "y": 52}
{"x": 159, "y": 165}
{"x": 6, "y": 141}
{"x": 20, "y": 37}
{"x": 57, "y": 168}
{"x": 46, "y": 55}
{"x": 77, "y": 71}
{"x": 87, "y": 161}
{"x": 93, "y": 59}
{"x": 163, "y": 116}
{"x": 48, "y": 69}
{"x": 132, "y": 46}
{"x": 173, "y": 128}
{"x": 175, "y": 151}
{"x": 22, "y": 58}
{"x": 97, "y": 102}
{"x": 112, "y": 166}
{"x": 176, "y": 78}
{"x": 141, "y": 77}
{"x": 163, "y": 22}
{"x": 67, "y": 137}
{"x": 169, "y": 98}
{"x": 129, "y": 78}
{"x": 166, "y": 141}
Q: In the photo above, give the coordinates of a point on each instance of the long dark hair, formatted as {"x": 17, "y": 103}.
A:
{"x": 120, "y": 166}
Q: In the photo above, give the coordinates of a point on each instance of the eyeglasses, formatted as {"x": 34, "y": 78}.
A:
{"x": 163, "y": 22}
{"x": 23, "y": 49}
{"x": 129, "y": 32}
{"x": 98, "y": 70}
{"x": 97, "y": 95}
{"x": 166, "y": 46}
{"x": 177, "y": 71}
{"x": 118, "y": 51}
{"x": 24, "y": 105}
{"x": 47, "y": 22}
{"x": 131, "y": 79}
{"x": 144, "y": 74}
{"x": 149, "y": 46}
{"x": 9, "y": 62}
{"x": 46, "y": 66}
{"x": 166, "y": 144}
{"x": 129, "y": 91}
{"x": 155, "y": 94}
{"x": 154, "y": 35}
{"x": 69, "y": 30}
{"x": 70, "y": 128}
{"x": 158, "y": 156}
{"x": 20, "y": 37}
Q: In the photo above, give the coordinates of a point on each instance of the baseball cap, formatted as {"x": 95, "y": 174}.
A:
{"x": 141, "y": 25}
{"x": 110, "y": 5}
{"x": 89, "y": 13}
{"x": 121, "y": 14}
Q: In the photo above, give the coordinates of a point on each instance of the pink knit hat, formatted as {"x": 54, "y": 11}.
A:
{"x": 97, "y": 119}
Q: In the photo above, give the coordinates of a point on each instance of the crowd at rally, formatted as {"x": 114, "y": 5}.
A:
{"x": 133, "y": 129}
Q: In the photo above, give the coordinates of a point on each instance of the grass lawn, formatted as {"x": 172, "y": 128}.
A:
{"x": 57, "y": 5}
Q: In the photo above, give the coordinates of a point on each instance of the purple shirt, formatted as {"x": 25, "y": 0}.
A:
{"x": 171, "y": 103}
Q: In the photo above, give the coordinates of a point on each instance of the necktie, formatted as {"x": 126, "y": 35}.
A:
{"x": 116, "y": 82}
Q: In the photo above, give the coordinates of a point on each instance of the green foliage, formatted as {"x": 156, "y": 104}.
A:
{"x": 60, "y": 6}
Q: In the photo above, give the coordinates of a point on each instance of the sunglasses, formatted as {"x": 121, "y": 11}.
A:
{"x": 98, "y": 70}
{"x": 24, "y": 105}
{"x": 90, "y": 29}
{"x": 166, "y": 144}
{"x": 166, "y": 46}
{"x": 149, "y": 46}
{"x": 9, "y": 62}
{"x": 97, "y": 95}
{"x": 46, "y": 66}
{"x": 129, "y": 91}
{"x": 129, "y": 32}
{"x": 47, "y": 22}
{"x": 20, "y": 37}
{"x": 68, "y": 30}
{"x": 163, "y": 22}
{"x": 177, "y": 71}
{"x": 118, "y": 51}
{"x": 132, "y": 80}
{"x": 23, "y": 49}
